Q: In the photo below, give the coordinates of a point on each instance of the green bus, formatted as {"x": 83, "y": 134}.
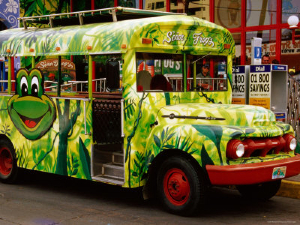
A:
{"x": 136, "y": 98}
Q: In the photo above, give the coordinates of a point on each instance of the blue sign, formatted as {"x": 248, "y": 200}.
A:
{"x": 257, "y": 52}
{"x": 238, "y": 69}
{"x": 260, "y": 68}
{"x": 221, "y": 67}
{"x": 280, "y": 115}
{"x": 279, "y": 67}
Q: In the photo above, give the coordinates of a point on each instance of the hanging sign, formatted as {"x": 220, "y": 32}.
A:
{"x": 260, "y": 85}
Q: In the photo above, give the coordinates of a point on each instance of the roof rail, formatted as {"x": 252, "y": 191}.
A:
{"x": 83, "y": 17}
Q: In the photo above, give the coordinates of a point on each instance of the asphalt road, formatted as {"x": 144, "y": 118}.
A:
{"x": 42, "y": 199}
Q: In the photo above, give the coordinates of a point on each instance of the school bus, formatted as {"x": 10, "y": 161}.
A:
{"x": 136, "y": 98}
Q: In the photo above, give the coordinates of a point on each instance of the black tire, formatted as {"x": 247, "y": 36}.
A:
{"x": 259, "y": 192}
{"x": 8, "y": 162}
{"x": 180, "y": 187}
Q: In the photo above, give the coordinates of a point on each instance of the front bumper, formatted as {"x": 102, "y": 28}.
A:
{"x": 253, "y": 173}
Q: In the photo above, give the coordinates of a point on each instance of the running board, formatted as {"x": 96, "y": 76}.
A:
{"x": 109, "y": 179}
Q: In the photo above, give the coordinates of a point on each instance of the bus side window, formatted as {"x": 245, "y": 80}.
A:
{"x": 113, "y": 74}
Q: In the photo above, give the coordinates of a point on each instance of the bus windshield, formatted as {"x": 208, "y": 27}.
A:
{"x": 164, "y": 72}
{"x": 206, "y": 73}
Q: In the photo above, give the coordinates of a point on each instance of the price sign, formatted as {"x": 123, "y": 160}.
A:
{"x": 239, "y": 85}
{"x": 260, "y": 85}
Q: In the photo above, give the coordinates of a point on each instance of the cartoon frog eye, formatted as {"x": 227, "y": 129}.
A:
{"x": 24, "y": 86}
{"x": 34, "y": 86}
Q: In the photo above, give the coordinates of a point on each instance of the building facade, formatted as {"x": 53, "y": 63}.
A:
{"x": 245, "y": 19}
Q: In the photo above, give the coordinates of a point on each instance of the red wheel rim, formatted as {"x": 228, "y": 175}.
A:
{"x": 6, "y": 161}
{"x": 176, "y": 187}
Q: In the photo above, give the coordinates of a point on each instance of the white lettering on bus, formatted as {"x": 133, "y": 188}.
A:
{"x": 172, "y": 36}
{"x": 199, "y": 38}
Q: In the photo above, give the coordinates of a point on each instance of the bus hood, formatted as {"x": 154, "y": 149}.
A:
{"x": 217, "y": 114}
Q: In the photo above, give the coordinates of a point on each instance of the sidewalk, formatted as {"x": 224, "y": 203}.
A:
{"x": 290, "y": 187}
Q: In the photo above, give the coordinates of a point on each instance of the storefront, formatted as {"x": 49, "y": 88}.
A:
{"x": 266, "y": 19}
{"x": 244, "y": 18}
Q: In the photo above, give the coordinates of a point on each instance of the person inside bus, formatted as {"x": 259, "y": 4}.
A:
{"x": 205, "y": 82}
{"x": 265, "y": 59}
{"x": 143, "y": 80}
{"x": 159, "y": 82}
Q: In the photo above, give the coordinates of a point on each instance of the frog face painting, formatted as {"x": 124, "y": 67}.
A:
{"x": 31, "y": 111}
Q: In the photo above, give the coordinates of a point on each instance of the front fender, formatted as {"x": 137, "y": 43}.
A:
{"x": 206, "y": 143}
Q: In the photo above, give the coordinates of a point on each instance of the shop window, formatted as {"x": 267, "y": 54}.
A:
{"x": 261, "y": 12}
{"x": 228, "y": 13}
{"x": 198, "y": 8}
{"x": 268, "y": 44}
{"x": 289, "y": 51}
{"x": 159, "y": 72}
{"x": 237, "y": 40}
{"x": 290, "y": 7}
{"x": 158, "y": 5}
{"x": 128, "y": 3}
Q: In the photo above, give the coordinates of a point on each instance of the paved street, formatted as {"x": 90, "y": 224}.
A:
{"x": 47, "y": 199}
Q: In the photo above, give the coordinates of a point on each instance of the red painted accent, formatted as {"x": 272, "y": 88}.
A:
{"x": 176, "y": 187}
{"x": 116, "y": 3}
{"x": 253, "y": 173}
{"x": 141, "y": 4}
{"x": 264, "y": 145}
{"x": 278, "y": 30}
{"x": 94, "y": 76}
{"x": 30, "y": 123}
{"x": 146, "y": 40}
{"x": 71, "y": 6}
{"x": 243, "y": 32}
{"x": 212, "y": 11}
{"x": 168, "y": 5}
{"x": 212, "y": 68}
{"x": 92, "y": 4}
{"x": 227, "y": 46}
{"x": 5, "y": 161}
{"x": 12, "y": 73}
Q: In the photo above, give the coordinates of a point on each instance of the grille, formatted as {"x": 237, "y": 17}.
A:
{"x": 262, "y": 147}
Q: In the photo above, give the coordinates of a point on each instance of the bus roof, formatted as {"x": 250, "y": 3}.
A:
{"x": 161, "y": 33}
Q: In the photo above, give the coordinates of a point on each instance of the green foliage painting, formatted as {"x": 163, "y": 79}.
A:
{"x": 153, "y": 122}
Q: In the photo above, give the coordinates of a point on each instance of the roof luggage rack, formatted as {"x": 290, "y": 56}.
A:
{"x": 91, "y": 16}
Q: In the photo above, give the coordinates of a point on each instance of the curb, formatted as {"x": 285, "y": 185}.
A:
{"x": 290, "y": 189}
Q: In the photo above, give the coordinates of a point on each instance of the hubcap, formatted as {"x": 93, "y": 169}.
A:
{"x": 6, "y": 161}
{"x": 176, "y": 187}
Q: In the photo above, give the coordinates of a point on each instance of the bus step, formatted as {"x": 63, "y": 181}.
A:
{"x": 115, "y": 170}
{"x": 109, "y": 157}
{"x": 109, "y": 179}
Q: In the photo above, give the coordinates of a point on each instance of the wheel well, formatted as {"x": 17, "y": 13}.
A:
{"x": 3, "y": 136}
{"x": 151, "y": 185}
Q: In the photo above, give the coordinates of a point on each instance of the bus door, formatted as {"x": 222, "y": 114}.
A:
{"x": 108, "y": 135}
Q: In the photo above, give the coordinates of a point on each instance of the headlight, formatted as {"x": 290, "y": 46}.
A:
{"x": 235, "y": 149}
{"x": 291, "y": 142}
